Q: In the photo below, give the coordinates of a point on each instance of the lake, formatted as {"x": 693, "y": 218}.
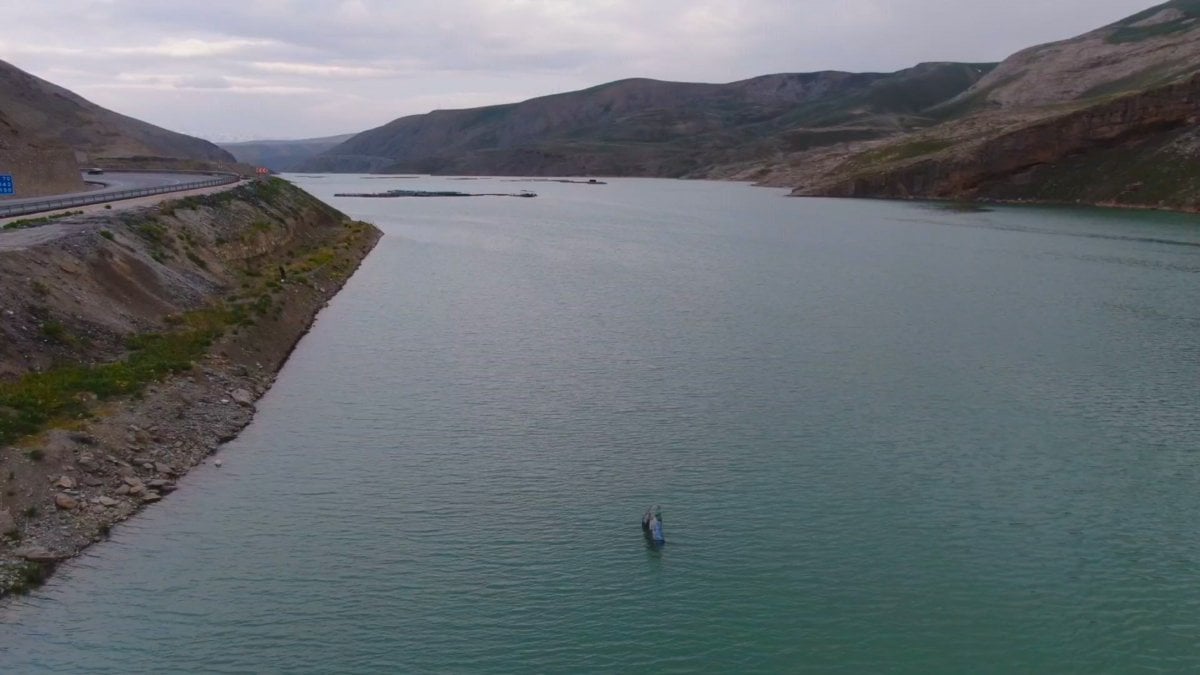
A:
{"x": 885, "y": 437}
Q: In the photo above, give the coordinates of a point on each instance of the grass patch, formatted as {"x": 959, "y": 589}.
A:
{"x": 37, "y": 400}
{"x": 55, "y": 332}
{"x": 30, "y": 575}
{"x": 1129, "y": 32}
{"x": 43, "y": 220}
{"x": 106, "y": 234}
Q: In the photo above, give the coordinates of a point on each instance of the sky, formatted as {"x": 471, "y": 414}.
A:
{"x": 229, "y": 70}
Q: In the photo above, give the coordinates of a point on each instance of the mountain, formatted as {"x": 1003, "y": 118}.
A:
{"x": 40, "y": 119}
{"x": 281, "y": 155}
{"x": 654, "y": 128}
{"x": 1109, "y": 117}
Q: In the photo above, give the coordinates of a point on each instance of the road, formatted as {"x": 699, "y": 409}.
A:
{"x": 21, "y": 239}
{"x": 115, "y": 182}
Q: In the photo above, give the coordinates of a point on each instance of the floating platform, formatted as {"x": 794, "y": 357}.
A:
{"x": 432, "y": 193}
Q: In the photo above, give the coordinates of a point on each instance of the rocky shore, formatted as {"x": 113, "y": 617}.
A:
{"x": 138, "y": 344}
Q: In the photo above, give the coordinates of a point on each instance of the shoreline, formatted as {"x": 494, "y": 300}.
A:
{"x": 84, "y": 476}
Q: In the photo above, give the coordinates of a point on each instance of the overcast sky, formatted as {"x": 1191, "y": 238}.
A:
{"x": 243, "y": 69}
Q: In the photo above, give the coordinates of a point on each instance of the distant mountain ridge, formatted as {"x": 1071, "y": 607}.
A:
{"x": 650, "y": 127}
{"x": 1110, "y": 116}
{"x": 282, "y": 155}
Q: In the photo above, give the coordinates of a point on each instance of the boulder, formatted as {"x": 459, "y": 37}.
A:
{"x": 164, "y": 468}
{"x": 242, "y": 397}
{"x": 65, "y": 501}
{"x": 132, "y": 480}
{"x": 38, "y": 554}
{"x": 142, "y": 460}
{"x": 66, "y": 483}
{"x": 151, "y": 497}
{"x": 123, "y": 490}
{"x": 137, "y": 489}
{"x": 108, "y": 501}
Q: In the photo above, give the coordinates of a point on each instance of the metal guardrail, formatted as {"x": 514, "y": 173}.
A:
{"x": 52, "y": 203}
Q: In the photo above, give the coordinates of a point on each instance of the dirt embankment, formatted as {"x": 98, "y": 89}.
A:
{"x": 133, "y": 344}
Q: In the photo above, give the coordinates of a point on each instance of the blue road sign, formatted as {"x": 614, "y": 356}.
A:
{"x": 6, "y": 184}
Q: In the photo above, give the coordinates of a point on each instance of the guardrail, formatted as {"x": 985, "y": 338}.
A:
{"x": 52, "y": 203}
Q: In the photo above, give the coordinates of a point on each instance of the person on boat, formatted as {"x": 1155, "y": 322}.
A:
{"x": 652, "y": 525}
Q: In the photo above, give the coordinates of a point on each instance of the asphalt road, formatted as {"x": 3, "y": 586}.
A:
{"x": 115, "y": 182}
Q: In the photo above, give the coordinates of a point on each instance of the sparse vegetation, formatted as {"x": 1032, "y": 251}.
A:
{"x": 1129, "y": 31}
{"x": 30, "y": 575}
{"x": 38, "y": 399}
{"x": 43, "y": 220}
{"x": 55, "y": 332}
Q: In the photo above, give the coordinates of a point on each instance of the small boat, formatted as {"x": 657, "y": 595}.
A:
{"x": 652, "y": 526}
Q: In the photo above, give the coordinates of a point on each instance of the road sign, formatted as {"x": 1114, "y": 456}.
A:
{"x": 6, "y": 184}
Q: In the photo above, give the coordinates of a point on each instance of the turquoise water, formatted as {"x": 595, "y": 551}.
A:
{"x": 885, "y": 437}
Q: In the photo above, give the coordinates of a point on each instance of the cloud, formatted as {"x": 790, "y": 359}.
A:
{"x": 192, "y": 48}
{"x": 324, "y": 70}
{"x": 293, "y": 68}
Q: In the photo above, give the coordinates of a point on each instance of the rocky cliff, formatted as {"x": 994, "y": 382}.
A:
{"x": 39, "y": 166}
{"x": 1108, "y": 118}
{"x": 1137, "y": 150}
{"x": 132, "y": 344}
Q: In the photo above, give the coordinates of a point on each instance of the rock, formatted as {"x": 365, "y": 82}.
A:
{"x": 123, "y": 490}
{"x": 85, "y": 439}
{"x": 66, "y": 483}
{"x": 7, "y": 523}
{"x": 92, "y": 481}
{"x": 136, "y": 489}
{"x": 151, "y": 497}
{"x": 132, "y": 480}
{"x": 242, "y": 397}
{"x": 87, "y": 462}
{"x": 126, "y": 472}
{"x": 218, "y": 463}
{"x": 38, "y": 554}
{"x": 163, "y": 467}
{"x": 142, "y": 460}
{"x": 65, "y": 501}
{"x": 108, "y": 501}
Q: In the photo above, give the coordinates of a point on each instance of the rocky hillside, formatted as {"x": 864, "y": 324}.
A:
{"x": 1109, "y": 117}
{"x": 133, "y": 343}
{"x": 652, "y": 128}
{"x": 282, "y": 155}
{"x": 37, "y": 116}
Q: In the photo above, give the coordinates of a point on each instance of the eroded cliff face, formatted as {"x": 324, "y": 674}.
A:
{"x": 1137, "y": 150}
{"x": 39, "y": 166}
{"x": 133, "y": 344}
